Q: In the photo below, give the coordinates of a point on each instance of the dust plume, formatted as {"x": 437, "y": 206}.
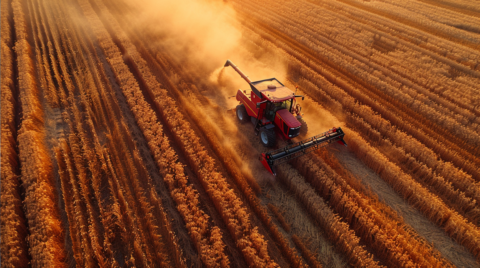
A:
{"x": 193, "y": 30}
{"x": 203, "y": 34}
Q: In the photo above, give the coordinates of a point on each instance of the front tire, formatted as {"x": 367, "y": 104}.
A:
{"x": 268, "y": 137}
{"x": 242, "y": 114}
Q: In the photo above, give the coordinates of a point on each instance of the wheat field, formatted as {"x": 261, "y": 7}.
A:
{"x": 119, "y": 147}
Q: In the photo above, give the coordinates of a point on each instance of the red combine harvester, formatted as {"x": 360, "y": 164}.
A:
{"x": 271, "y": 107}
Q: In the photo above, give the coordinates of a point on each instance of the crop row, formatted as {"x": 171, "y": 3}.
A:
{"x": 46, "y": 236}
{"x": 227, "y": 203}
{"x": 205, "y": 238}
{"x": 387, "y": 237}
{"x": 306, "y": 253}
{"x": 14, "y": 250}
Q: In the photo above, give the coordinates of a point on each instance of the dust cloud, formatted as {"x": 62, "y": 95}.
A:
{"x": 194, "y": 30}
{"x": 203, "y": 34}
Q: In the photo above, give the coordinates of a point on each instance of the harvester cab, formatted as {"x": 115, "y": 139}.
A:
{"x": 272, "y": 108}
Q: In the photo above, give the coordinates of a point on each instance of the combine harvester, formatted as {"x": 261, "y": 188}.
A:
{"x": 271, "y": 106}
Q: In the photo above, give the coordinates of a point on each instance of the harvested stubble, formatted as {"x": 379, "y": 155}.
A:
{"x": 384, "y": 235}
{"x": 279, "y": 217}
{"x": 206, "y": 239}
{"x": 309, "y": 256}
{"x": 457, "y": 227}
{"x": 337, "y": 231}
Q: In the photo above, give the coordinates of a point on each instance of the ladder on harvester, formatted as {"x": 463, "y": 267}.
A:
{"x": 300, "y": 148}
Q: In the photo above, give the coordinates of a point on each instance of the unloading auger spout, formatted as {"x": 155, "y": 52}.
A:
{"x": 244, "y": 76}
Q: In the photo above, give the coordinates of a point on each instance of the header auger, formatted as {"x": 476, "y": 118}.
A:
{"x": 272, "y": 109}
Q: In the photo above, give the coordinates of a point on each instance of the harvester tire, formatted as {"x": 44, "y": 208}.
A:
{"x": 242, "y": 114}
{"x": 303, "y": 128}
{"x": 268, "y": 137}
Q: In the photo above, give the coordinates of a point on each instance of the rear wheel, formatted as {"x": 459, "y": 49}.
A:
{"x": 242, "y": 114}
{"x": 268, "y": 137}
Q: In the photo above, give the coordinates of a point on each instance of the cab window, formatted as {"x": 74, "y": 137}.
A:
{"x": 273, "y": 107}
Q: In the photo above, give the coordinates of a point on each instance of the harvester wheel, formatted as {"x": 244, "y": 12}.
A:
{"x": 242, "y": 114}
{"x": 303, "y": 128}
{"x": 268, "y": 137}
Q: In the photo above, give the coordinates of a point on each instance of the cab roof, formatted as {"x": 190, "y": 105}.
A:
{"x": 272, "y": 89}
